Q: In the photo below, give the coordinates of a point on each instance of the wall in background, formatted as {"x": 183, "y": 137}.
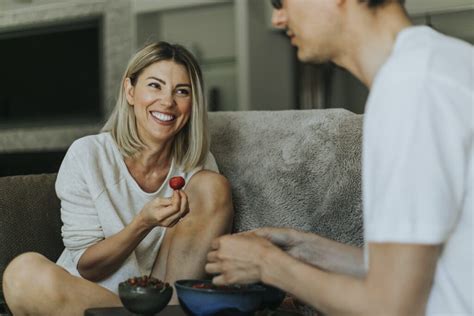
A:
{"x": 216, "y": 54}
{"x": 246, "y": 64}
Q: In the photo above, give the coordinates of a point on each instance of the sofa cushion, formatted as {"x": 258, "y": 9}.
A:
{"x": 293, "y": 168}
{"x": 29, "y": 217}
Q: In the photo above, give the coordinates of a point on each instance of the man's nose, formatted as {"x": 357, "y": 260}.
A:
{"x": 279, "y": 19}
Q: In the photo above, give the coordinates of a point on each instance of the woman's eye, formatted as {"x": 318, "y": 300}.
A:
{"x": 154, "y": 85}
{"x": 182, "y": 92}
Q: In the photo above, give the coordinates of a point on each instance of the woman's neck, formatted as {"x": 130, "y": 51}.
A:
{"x": 150, "y": 167}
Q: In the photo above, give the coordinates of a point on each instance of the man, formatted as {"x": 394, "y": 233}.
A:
{"x": 417, "y": 172}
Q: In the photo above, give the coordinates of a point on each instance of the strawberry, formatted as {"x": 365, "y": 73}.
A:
{"x": 177, "y": 183}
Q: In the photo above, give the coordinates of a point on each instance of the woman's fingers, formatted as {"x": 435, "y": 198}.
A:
{"x": 177, "y": 210}
{"x": 176, "y": 198}
{"x": 169, "y": 211}
{"x": 184, "y": 209}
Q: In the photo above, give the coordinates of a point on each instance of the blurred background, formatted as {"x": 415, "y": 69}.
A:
{"x": 62, "y": 60}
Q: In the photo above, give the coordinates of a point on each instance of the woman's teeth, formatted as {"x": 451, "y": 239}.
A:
{"x": 162, "y": 116}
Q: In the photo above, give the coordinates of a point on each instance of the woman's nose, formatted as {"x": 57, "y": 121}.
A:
{"x": 167, "y": 99}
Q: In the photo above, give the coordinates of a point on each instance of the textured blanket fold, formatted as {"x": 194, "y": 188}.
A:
{"x": 298, "y": 169}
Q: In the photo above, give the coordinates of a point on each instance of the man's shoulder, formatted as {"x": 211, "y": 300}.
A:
{"x": 423, "y": 53}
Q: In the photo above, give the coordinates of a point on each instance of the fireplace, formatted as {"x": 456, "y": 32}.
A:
{"x": 52, "y": 74}
{"x": 61, "y": 64}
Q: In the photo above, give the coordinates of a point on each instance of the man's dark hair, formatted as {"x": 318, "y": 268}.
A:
{"x": 376, "y": 3}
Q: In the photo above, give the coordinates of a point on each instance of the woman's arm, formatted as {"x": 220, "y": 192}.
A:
{"x": 183, "y": 252}
{"x": 105, "y": 257}
{"x": 398, "y": 282}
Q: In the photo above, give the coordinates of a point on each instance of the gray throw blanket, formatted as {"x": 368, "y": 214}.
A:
{"x": 299, "y": 169}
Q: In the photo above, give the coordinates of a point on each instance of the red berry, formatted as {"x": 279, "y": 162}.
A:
{"x": 176, "y": 183}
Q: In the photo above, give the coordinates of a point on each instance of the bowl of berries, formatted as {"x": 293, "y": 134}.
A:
{"x": 145, "y": 295}
{"x": 202, "y": 298}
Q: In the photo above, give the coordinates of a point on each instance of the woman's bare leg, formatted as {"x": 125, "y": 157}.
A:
{"x": 33, "y": 285}
{"x": 184, "y": 250}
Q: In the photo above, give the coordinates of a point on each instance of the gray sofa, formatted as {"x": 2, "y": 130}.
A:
{"x": 297, "y": 169}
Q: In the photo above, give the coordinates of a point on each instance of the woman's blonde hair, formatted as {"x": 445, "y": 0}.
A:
{"x": 191, "y": 144}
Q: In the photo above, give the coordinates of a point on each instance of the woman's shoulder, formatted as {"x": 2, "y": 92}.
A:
{"x": 88, "y": 143}
{"x": 94, "y": 159}
{"x": 209, "y": 164}
{"x": 96, "y": 147}
{"x": 93, "y": 151}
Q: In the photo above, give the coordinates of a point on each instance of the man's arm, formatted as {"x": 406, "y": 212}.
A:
{"x": 326, "y": 254}
{"x": 398, "y": 282}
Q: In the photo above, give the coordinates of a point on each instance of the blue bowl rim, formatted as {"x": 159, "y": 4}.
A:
{"x": 255, "y": 288}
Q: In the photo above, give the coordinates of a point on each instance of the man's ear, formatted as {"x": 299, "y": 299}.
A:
{"x": 340, "y": 3}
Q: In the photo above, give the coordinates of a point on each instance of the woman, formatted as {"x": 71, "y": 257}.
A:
{"x": 120, "y": 217}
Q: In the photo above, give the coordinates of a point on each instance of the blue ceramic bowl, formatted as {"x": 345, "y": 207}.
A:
{"x": 272, "y": 297}
{"x": 231, "y": 301}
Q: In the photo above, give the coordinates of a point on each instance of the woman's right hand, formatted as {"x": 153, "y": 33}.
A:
{"x": 165, "y": 212}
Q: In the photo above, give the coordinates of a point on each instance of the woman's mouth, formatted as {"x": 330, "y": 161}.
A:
{"x": 162, "y": 117}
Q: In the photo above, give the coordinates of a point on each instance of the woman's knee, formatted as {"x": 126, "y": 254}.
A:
{"x": 18, "y": 269}
{"x": 218, "y": 191}
{"x": 30, "y": 271}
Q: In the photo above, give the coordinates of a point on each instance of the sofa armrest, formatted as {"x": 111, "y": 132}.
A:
{"x": 29, "y": 218}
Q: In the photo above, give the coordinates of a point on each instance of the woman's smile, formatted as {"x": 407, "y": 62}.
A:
{"x": 163, "y": 118}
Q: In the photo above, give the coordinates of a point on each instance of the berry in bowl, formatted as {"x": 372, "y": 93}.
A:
{"x": 145, "y": 295}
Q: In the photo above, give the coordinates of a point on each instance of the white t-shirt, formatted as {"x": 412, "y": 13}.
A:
{"x": 99, "y": 197}
{"x": 418, "y": 159}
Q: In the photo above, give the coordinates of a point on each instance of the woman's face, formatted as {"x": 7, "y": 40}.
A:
{"x": 161, "y": 100}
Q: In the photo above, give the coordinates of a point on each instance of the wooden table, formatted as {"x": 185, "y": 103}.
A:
{"x": 170, "y": 310}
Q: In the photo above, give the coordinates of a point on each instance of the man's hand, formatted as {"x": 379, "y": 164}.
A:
{"x": 289, "y": 240}
{"x": 238, "y": 259}
{"x": 315, "y": 250}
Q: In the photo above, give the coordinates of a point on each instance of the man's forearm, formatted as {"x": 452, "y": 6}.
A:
{"x": 331, "y": 255}
{"x": 321, "y": 289}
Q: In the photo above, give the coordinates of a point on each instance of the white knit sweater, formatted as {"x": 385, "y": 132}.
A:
{"x": 99, "y": 198}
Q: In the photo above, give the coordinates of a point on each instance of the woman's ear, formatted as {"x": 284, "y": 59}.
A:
{"x": 129, "y": 90}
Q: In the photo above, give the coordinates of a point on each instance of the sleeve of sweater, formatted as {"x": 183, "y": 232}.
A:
{"x": 209, "y": 164}
{"x": 81, "y": 226}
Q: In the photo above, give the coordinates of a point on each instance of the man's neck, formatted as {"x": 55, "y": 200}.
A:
{"x": 370, "y": 39}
